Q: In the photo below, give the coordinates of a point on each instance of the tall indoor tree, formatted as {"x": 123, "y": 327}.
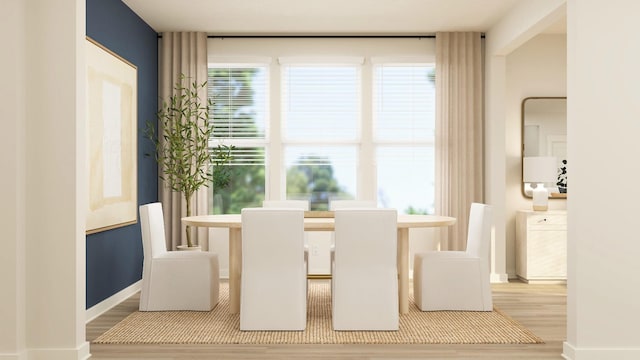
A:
{"x": 182, "y": 150}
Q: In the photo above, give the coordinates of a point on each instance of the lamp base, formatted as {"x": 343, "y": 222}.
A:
{"x": 540, "y": 198}
{"x": 540, "y": 208}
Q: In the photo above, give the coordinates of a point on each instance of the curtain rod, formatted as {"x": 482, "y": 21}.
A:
{"x": 430, "y": 36}
{"x": 321, "y": 36}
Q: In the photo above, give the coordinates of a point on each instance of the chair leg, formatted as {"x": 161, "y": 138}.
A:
{"x": 417, "y": 281}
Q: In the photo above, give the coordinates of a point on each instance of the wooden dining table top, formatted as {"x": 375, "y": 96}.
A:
{"x": 318, "y": 223}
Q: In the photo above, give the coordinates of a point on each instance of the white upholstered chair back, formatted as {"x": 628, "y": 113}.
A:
{"x": 457, "y": 280}
{"x": 366, "y": 238}
{"x": 274, "y": 276}
{"x": 174, "y": 280}
{"x": 479, "y": 232}
{"x": 345, "y": 204}
{"x": 152, "y": 228}
{"x": 364, "y": 270}
{"x": 292, "y": 204}
{"x": 287, "y": 204}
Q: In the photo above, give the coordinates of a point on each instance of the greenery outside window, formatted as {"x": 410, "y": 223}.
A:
{"x": 239, "y": 117}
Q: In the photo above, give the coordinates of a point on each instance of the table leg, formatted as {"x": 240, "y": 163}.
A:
{"x": 403, "y": 270}
{"x": 235, "y": 269}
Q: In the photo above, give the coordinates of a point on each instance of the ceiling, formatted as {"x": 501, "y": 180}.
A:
{"x": 321, "y": 17}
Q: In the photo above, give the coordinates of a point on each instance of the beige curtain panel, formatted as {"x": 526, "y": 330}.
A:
{"x": 182, "y": 53}
{"x": 459, "y": 131}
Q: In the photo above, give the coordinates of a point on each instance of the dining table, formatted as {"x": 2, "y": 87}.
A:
{"x": 314, "y": 221}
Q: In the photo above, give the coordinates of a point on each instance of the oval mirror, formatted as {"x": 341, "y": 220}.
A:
{"x": 544, "y": 133}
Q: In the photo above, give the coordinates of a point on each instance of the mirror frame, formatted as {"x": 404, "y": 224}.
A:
{"x": 522, "y": 185}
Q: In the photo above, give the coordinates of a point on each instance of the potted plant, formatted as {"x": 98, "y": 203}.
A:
{"x": 182, "y": 145}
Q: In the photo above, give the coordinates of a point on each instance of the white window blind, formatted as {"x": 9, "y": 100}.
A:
{"x": 320, "y": 102}
{"x": 239, "y": 117}
{"x": 242, "y": 155}
{"x": 413, "y": 192}
{"x": 404, "y": 131}
{"x": 239, "y": 94}
{"x": 404, "y": 102}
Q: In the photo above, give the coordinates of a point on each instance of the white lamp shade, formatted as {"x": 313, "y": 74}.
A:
{"x": 540, "y": 169}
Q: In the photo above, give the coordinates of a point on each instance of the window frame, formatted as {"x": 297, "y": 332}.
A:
{"x": 247, "y": 143}
{"x": 368, "y": 51}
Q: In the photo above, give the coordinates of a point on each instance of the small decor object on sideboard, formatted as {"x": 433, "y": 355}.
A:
{"x": 538, "y": 171}
{"x": 562, "y": 177}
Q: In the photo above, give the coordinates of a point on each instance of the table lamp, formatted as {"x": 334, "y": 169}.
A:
{"x": 538, "y": 170}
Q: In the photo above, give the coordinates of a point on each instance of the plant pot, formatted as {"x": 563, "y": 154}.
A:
{"x": 189, "y": 248}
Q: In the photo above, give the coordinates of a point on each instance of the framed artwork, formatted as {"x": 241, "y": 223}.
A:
{"x": 112, "y": 85}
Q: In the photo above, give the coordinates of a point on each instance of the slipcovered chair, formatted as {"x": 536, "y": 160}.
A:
{"x": 292, "y": 204}
{"x": 273, "y": 293}
{"x": 364, "y": 286}
{"x": 287, "y": 204}
{"x": 457, "y": 280}
{"x": 174, "y": 280}
{"x": 345, "y": 204}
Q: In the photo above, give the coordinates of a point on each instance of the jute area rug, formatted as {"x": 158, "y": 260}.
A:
{"x": 220, "y": 327}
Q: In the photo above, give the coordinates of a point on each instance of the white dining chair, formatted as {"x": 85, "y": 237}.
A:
{"x": 273, "y": 293}
{"x": 345, "y": 204}
{"x": 364, "y": 270}
{"x": 292, "y": 204}
{"x": 287, "y": 204}
{"x": 174, "y": 280}
{"x": 457, "y": 280}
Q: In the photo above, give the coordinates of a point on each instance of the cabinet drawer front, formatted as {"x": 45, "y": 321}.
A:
{"x": 547, "y": 254}
{"x": 546, "y": 222}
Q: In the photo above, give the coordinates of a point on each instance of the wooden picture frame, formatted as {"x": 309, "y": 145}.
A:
{"x": 112, "y": 84}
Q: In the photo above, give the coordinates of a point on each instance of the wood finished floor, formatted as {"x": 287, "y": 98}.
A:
{"x": 539, "y": 307}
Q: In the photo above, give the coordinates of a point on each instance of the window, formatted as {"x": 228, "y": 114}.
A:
{"x": 355, "y": 123}
{"x": 320, "y": 103}
{"x": 320, "y": 173}
{"x": 239, "y": 117}
{"x": 404, "y": 127}
{"x": 320, "y": 123}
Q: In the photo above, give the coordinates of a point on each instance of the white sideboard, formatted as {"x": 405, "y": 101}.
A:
{"x": 541, "y": 245}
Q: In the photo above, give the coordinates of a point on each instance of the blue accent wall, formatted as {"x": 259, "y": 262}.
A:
{"x": 114, "y": 257}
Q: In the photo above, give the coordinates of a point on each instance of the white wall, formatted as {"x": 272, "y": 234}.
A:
{"x": 536, "y": 68}
{"x": 523, "y": 22}
{"x": 603, "y": 50}
{"x": 12, "y": 182}
{"x": 603, "y": 306}
{"x": 43, "y": 183}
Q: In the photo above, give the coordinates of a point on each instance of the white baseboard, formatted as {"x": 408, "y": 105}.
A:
{"x": 16, "y": 356}
{"x": 570, "y": 352}
{"x": 80, "y": 353}
{"x": 115, "y": 299}
{"x": 499, "y": 278}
